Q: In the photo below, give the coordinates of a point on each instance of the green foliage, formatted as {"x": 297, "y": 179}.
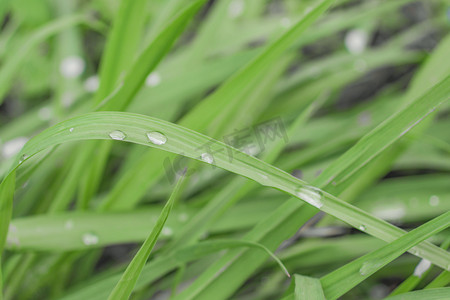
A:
{"x": 309, "y": 136}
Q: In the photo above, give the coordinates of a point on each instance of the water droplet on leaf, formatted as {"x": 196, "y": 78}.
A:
{"x": 311, "y": 195}
{"x": 117, "y": 135}
{"x": 157, "y": 138}
{"x": 90, "y": 239}
{"x": 207, "y": 158}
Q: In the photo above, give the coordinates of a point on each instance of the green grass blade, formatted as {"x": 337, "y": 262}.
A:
{"x": 441, "y": 280}
{"x": 11, "y": 64}
{"x": 216, "y": 110}
{"x": 308, "y": 288}
{"x": 136, "y": 127}
{"x": 149, "y": 59}
{"x": 126, "y": 284}
{"x": 345, "y": 278}
{"x": 122, "y": 45}
{"x": 119, "y": 99}
{"x": 432, "y": 294}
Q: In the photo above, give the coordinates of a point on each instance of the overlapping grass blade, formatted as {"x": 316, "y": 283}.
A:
{"x": 118, "y": 99}
{"x": 13, "y": 63}
{"x": 121, "y": 46}
{"x": 308, "y": 288}
{"x": 126, "y": 284}
{"x": 212, "y": 113}
{"x": 432, "y": 294}
{"x": 343, "y": 279}
{"x": 136, "y": 127}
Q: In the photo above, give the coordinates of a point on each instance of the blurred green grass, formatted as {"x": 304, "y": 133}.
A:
{"x": 349, "y": 96}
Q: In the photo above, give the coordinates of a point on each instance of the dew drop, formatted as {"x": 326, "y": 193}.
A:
{"x": 434, "y": 200}
{"x": 23, "y": 157}
{"x": 167, "y": 231}
{"x": 69, "y": 224}
{"x": 356, "y": 41}
{"x": 12, "y": 238}
{"x": 91, "y": 84}
{"x": 117, "y": 135}
{"x": 362, "y": 227}
{"x": 311, "y": 195}
{"x": 45, "y": 113}
{"x": 392, "y": 213}
{"x": 364, "y": 118}
{"x": 263, "y": 176}
{"x": 415, "y": 251}
{"x": 153, "y": 79}
{"x": 207, "y": 158}
{"x": 369, "y": 267}
{"x": 183, "y": 217}
{"x": 72, "y": 67}
{"x": 236, "y": 8}
{"x": 67, "y": 99}
{"x": 286, "y": 22}
{"x": 12, "y": 147}
{"x": 90, "y": 239}
{"x": 157, "y": 138}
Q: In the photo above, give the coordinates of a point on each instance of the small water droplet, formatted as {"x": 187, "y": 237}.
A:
{"x": 91, "y": 84}
{"x": 263, "y": 176}
{"x": 415, "y": 251}
{"x": 69, "y": 224}
{"x": 157, "y": 138}
{"x": 90, "y": 239}
{"x": 45, "y": 113}
{"x": 207, "y": 158}
{"x": 153, "y": 79}
{"x": 434, "y": 200}
{"x": 117, "y": 135}
{"x": 311, "y": 195}
{"x": 12, "y": 238}
{"x": 167, "y": 231}
{"x": 364, "y": 118}
{"x": 12, "y": 147}
{"x": 362, "y": 227}
{"x": 183, "y": 217}
{"x": 68, "y": 99}
{"x": 356, "y": 41}
{"x": 286, "y": 22}
{"x": 369, "y": 267}
{"x": 72, "y": 66}
{"x": 236, "y": 8}
{"x": 392, "y": 213}
{"x": 71, "y": 129}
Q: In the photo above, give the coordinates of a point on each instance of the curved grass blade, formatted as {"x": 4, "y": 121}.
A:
{"x": 119, "y": 99}
{"x": 162, "y": 265}
{"x": 126, "y": 284}
{"x": 216, "y": 111}
{"x": 135, "y": 129}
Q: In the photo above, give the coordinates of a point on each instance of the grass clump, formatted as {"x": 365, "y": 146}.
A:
{"x": 312, "y": 133}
